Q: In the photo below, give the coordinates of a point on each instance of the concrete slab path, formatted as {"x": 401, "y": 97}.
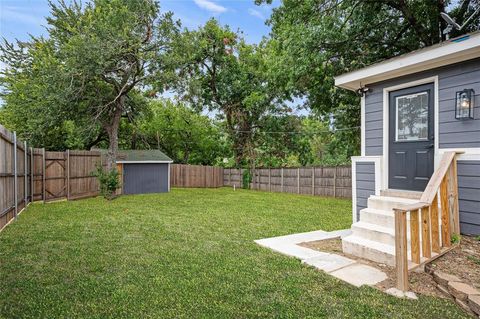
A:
{"x": 343, "y": 268}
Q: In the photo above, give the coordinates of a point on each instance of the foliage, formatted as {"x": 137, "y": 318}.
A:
{"x": 474, "y": 259}
{"x": 218, "y": 71}
{"x": 314, "y": 40}
{"x": 100, "y": 55}
{"x": 455, "y": 239}
{"x": 246, "y": 179}
{"x": 109, "y": 181}
{"x": 185, "y": 135}
{"x": 189, "y": 253}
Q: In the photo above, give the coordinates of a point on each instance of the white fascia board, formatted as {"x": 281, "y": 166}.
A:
{"x": 141, "y": 162}
{"x": 424, "y": 59}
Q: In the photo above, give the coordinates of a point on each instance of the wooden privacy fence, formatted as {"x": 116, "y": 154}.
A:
{"x": 320, "y": 181}
{"x": 31, "y": 174}
{"x": 195, "y": 176}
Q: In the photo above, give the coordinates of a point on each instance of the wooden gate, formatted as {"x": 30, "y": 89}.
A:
{"x": 55, "y": 177}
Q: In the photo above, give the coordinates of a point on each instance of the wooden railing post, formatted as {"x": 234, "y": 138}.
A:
{"x": 446, "y": 239}
{"x": 415, "y": 236}
{"x": 401, "y": 261}
{"x": 435, "y": 222}
{"x": 426, "y": 244}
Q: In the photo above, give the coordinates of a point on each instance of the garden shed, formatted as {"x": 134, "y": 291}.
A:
{"x": 144, "y": 171}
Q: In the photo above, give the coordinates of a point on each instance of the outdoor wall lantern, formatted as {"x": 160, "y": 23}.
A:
{"x": 464, "y": 104}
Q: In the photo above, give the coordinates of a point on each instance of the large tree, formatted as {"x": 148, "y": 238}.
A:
{"x": 104, "y": 52}
{"x": 317, "y": 39}
{"x": 218, "y": 71}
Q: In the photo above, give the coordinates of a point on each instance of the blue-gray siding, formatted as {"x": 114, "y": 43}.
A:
{"x": 365, "y": 180}
{"x": 142, "y": 178}
{"x": 452, "y": 133}
{"x": 469, "y": 196}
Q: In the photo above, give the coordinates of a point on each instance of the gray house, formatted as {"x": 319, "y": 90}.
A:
{"x": 420, "y": 148}
{"x": 144, "y": 171}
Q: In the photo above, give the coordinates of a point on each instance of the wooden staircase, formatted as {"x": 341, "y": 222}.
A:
{"x": 406, "y": 229}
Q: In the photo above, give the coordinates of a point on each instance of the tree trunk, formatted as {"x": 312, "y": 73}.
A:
{"x": 112, "y": 131}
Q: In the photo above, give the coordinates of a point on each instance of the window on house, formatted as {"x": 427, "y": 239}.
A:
{"x": 412, "y": 117}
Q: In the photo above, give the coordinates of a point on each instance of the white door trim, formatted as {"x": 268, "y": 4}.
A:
{"x": 386, "y": 100}
{"x": 362, "y": 125}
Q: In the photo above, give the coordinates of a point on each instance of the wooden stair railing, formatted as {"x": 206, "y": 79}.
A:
{"x": 435, "y": 218}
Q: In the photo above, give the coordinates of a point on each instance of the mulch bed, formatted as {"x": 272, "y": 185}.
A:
{"x": 462, "y": 261}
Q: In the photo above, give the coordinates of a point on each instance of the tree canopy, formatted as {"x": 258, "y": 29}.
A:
{"x": 98, "y": 78}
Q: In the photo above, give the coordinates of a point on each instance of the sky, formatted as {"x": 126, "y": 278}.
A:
{"x": 19, "y": 18}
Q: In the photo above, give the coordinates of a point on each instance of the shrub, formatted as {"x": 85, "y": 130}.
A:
{"x": 455, "y": 239}
{"x": 108, "y": 181}
{"x": 246, "y": 179}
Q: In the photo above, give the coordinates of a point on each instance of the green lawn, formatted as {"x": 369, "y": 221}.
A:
{"x": 186, "y": 254}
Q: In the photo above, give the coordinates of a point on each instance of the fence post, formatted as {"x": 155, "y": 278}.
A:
{"x": 269, "y": 179}
{"x": 32, "y": 174}
{"x": 15, "y": 173}
{"x": 313, "y": 180}
{"x": 43, "y": 175}
{"x": 298, "y": 180}
{"x": 335, "y": 182}
{"x": 281, "y": 179}
{"x": 230, "y": 177}
{"x": 205, "y": 176}
{"x": 25, "y": 177}
{"x": 68, "y": 174}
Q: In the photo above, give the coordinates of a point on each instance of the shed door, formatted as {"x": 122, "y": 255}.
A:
{"x": 145, "y": 178}
{"x": 411, "y": 138}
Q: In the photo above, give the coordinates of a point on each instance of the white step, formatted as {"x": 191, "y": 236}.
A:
{"x": 384, "y": 218}
{"x": 375, "y": 251}
{"x": 388, "y": 203}
{"x": 373, "y": 232}
{"x": 368, "y": 249}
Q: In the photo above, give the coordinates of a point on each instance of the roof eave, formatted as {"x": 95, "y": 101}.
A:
{"x": 147, "y": 161}
{"x": 421, "y": 60}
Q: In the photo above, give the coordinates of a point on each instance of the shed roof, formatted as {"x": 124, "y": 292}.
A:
{"x": 456, "y": 50}
{"x": 141, "y": 156}
{"x": 145, "y": 156}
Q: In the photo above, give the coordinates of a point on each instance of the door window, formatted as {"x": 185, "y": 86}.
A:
{"x": 411, "y": 117}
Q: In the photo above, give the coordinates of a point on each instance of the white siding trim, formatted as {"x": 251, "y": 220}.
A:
{"x": 377, "y": 160}
{"x": 386, "y": 100}
{"x": 448, "y": 52}
{"x": 362, "y": 128}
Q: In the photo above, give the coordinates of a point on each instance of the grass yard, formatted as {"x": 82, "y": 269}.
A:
{"x": 186, "y": 254}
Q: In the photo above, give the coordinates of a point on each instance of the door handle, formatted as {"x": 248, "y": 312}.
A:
{"x": 430, "y": 146}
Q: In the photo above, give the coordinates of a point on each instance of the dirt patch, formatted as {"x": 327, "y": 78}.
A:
{"x": 420, "y": 282}
{"x": 462, "y": 261}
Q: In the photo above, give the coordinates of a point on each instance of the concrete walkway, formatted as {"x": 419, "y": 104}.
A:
{"x": 343, "y": 268}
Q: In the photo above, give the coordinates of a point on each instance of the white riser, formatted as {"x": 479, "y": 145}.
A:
{"x": 388, "y": 203}
{"x": 374, "y": 233}
{"x": 362, "y": 248}
{"x": 377, "y": 217}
